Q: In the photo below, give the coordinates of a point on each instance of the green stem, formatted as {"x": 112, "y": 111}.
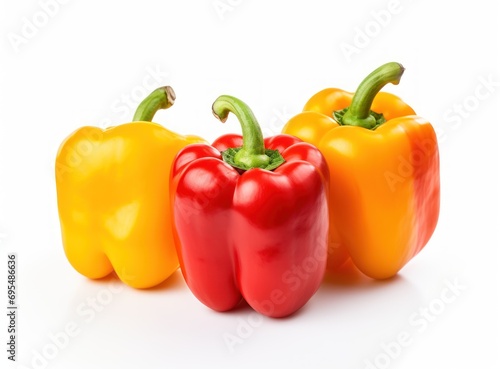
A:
{"x": 358, "y": 113}
{"x": 161, "y": 98}
{"x": 253, "y": 153}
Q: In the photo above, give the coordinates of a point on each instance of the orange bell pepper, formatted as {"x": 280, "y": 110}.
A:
{"x": 113, "y": 197}
{"x": 384, "y": 173}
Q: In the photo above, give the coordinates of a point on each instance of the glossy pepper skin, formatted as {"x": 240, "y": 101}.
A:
{"x": 251, "y": 231}
{"x": 113, "y": 197}
{"x": 385, "y": 188}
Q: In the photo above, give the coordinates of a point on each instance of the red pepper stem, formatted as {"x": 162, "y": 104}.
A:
{"x": 161, "y": 98}
{"x": 358, "y": 113}
{"x": 253, "y": 152}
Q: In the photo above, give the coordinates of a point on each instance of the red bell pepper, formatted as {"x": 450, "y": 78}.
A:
{"x": 251, "y": 217}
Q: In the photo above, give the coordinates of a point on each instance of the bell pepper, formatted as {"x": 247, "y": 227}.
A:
{"x": 113, "y": 197}
{"x": 251, "y": 217}
{"x": 384, "y": 173}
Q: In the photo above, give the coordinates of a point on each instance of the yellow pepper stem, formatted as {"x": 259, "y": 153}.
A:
{"x": 161, "y": 98}
{"x": 359, "y": 113}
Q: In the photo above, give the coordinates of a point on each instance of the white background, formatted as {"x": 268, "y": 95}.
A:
{"x": 81, "y": 63}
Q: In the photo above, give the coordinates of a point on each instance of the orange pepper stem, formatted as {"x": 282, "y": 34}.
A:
{"x": 359, "y": 113}
{"x": 161, "y": 98}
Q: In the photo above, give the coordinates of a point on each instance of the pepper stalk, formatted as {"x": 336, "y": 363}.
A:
{"x": 253, "y": 153}
{"x": 359, "y": 113}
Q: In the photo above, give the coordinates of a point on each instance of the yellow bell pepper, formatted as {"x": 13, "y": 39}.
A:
{"x": 113, "y": 197}
{"x": 384, "y": 173}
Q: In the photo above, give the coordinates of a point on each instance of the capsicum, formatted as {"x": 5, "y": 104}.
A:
{"x": 384, "y": 173}
{"x": 251, "y": 217}
{"x": 113, "y": 196}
